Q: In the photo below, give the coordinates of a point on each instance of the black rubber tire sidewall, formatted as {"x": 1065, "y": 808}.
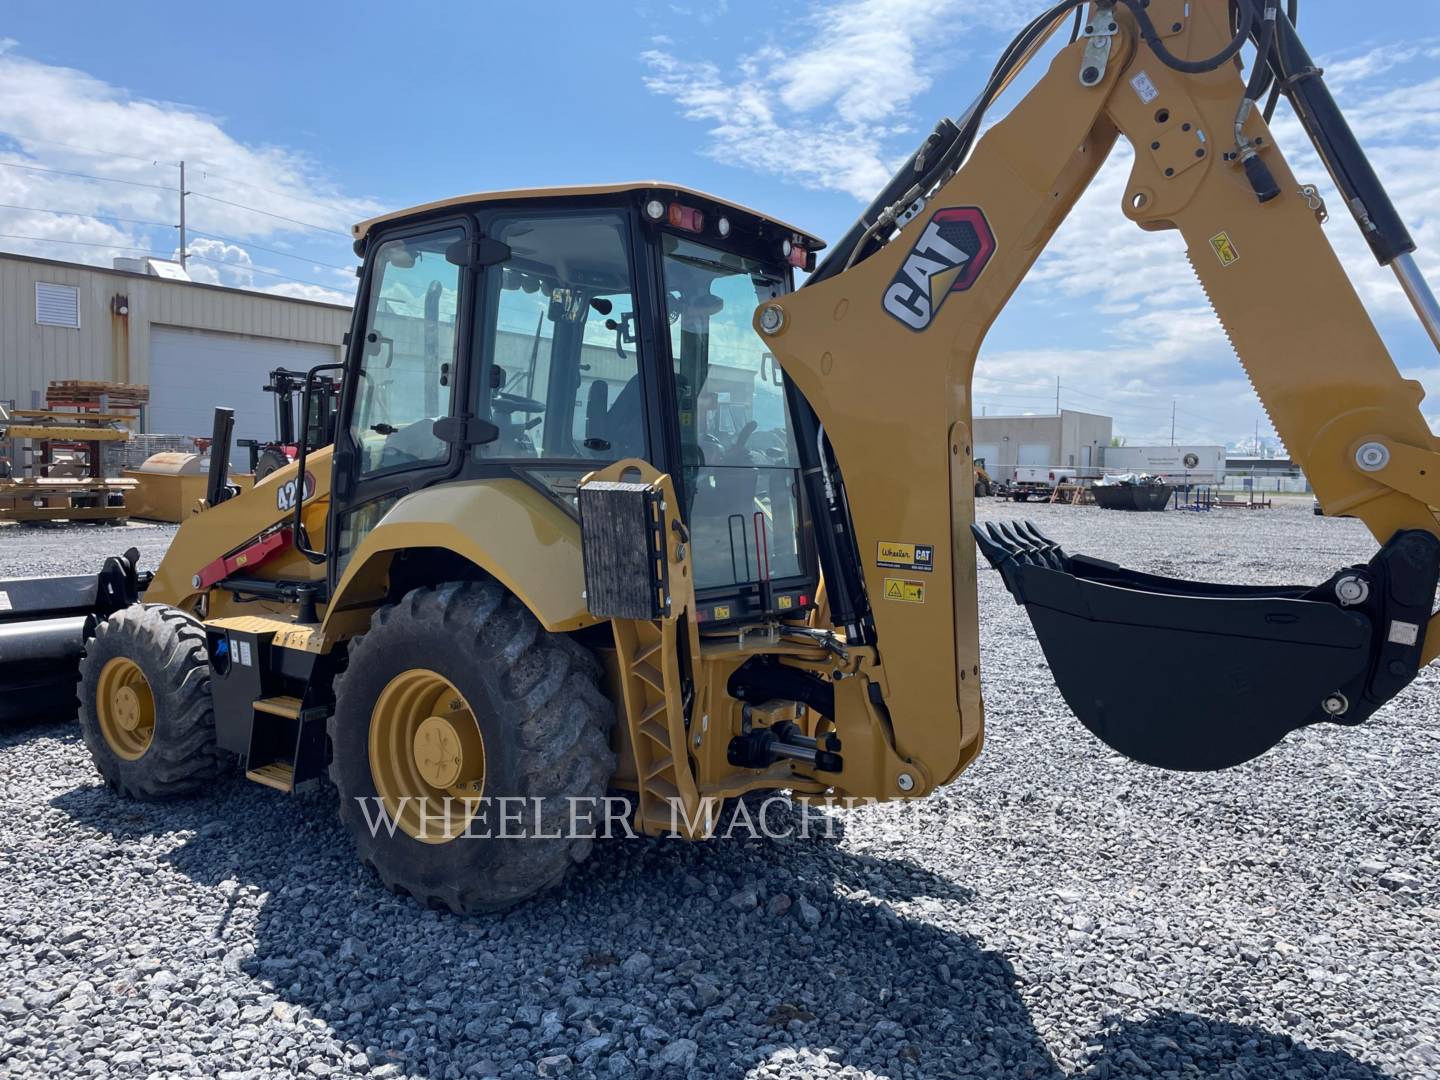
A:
{"x": 182, "y": 757}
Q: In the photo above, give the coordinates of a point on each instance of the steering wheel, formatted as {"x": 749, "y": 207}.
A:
{"x": 516, "y": 403}
{"x": 736, "y": 453}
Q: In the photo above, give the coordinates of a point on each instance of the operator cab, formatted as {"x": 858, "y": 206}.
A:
{"x": 543, "y": 333}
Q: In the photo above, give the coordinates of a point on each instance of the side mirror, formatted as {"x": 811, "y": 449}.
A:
{"x": 465, "y": 431}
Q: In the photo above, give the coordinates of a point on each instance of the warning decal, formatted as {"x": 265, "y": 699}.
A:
{"x": 4, "y": 600}
{"x": 1224, "y": 248}
{"x": 909, "y": 592}
{"x": 893, "y": 555}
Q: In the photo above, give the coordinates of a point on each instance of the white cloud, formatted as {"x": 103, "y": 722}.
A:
{"x": 830, "y": 110}
{"x": 88, "y": 126}
{"x": 835, "y": 111}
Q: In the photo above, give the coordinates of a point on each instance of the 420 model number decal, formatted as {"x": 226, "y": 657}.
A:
{"x": 948, "y": 256}
{"x": 285, "y": 492}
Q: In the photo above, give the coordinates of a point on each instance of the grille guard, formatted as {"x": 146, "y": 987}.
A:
{"x": 1198, "y": 676}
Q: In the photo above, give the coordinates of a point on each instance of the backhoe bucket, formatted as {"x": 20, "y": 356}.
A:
{"x": 44, "y": 625}
{"x": 1195, "y": 676}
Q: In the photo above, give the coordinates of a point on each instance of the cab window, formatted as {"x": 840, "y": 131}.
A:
{"x": 740, "y": 462}
{"x": 408, "y": 353}
{"x": 561, "y": 375}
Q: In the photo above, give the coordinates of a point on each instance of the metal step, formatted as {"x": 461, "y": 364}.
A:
{"x": 280, "y": 705}
{"x": 277, "y": 775}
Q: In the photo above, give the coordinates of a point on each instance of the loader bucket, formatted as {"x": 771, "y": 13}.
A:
{"x": 1197, "y": 676}
{"x": 44, "y": 625}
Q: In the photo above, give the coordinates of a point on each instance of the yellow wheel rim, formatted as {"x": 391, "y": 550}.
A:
{"x": 427, "y": 756}
{"x": 126, "y": 708}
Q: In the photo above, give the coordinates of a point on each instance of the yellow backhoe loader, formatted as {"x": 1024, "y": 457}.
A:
{"x": 611, "y": 506}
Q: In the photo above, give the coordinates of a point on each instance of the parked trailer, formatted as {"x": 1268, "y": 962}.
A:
{"x": 1176, "y": 464}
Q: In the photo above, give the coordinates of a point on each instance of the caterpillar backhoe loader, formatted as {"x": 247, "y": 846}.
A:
{"x": 612, "y": 506}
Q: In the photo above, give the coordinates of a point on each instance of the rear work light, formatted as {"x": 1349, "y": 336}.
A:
{"x": 687, "y": 218}
{"x": 796, "y": 255}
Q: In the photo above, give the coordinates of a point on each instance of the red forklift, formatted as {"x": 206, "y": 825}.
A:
{"x": 319, "y": 428}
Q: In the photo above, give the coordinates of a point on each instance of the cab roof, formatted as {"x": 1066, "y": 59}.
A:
{"x": 812, "y": 242}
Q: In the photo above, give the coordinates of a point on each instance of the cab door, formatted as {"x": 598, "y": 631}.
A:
{"x": 406, "y": 373}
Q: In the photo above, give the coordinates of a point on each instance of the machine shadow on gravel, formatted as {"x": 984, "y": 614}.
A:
{"x": 439, "y": 994}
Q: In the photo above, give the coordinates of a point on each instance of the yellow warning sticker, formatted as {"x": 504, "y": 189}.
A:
{"x": 1224, "y": 248}
{"x": 784, "y": 602}
{"x": 722, "y": 611}
{"x": 909, "y": 592}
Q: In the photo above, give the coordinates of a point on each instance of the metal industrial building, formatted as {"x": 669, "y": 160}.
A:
{"x": 1072, "y": 442}
{"x": 196, "y": 345}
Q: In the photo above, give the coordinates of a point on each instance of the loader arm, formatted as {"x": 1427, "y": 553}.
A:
{"x": 883, "y": 350}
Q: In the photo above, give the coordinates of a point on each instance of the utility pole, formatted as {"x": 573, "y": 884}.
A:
{"x": 1172, "y": 421}
{"x": 1057, "y": 395}
{"x": 183, "y": 253}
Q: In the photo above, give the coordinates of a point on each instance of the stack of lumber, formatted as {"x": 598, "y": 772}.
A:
{"x": 62, "y": 478}
{"x": 92, "y": 394}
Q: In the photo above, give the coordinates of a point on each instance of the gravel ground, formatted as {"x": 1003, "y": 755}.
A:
{"x": 1057, "y": 912}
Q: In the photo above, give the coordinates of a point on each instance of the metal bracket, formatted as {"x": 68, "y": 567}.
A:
{"x": 1100, "y": 31}
{"x": 1315, "y": 201}
{"x": 1407, "y": 469}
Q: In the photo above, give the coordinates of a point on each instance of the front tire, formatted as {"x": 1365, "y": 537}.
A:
{"x": 145, "y": 710}
{"x": 456, "y": 692}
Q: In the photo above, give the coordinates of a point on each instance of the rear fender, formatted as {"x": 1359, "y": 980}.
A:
{"x": 503, "y": 527}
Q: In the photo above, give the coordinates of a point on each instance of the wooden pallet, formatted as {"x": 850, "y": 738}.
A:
{"x": 62, "y": 499}
{"x": 89, "y": 393}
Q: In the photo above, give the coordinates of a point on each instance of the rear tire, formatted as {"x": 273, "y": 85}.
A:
{"x": 544, "y": 734}
{"x": 270, "y": 461}
{"x": 145, "y": 710}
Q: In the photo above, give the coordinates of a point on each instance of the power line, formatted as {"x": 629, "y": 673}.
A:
{"x": 81, "y": 243}
{"x": 248, "y": 245}
{"x": 266, "y": 273}
{"x": 267, "y": 213}
{"x": 22, "y": 139}
{"x": 85, "y": 176}
{"x": 272, "y": 251}
{"x": 85, "y": 214}
{"x": 207, "y": 174}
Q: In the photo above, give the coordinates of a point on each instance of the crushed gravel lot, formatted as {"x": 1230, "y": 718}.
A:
{"x": 1057, "y": 912}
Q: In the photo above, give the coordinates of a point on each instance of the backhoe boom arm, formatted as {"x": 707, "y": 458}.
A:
{"x": 884, "y": 351}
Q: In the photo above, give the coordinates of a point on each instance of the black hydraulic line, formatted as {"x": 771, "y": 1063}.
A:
{"x": 1261, "y": 179}
{"x": 1292, "y": 11}
{"x": 942, "y": 150}
{"x": 911, "y": 175}
{"x": 1304, "y": 84}
{"x": 1151, "y": 37}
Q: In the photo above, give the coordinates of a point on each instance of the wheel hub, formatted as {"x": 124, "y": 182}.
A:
{"x": 125, "y": 707}
{"x": 440, "y": 752}
{"x": 427, "y": 756}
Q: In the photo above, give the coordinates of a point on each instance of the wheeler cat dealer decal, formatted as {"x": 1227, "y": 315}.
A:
{"x": 893, "y": 555}
{"x": 948, "y": 256}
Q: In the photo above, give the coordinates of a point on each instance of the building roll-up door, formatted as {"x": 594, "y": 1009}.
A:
{"x": 1034, "y": 453}
{"x": 192, "y": 371}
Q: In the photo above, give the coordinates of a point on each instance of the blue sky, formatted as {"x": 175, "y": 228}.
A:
{"x": 322, "y": 114}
